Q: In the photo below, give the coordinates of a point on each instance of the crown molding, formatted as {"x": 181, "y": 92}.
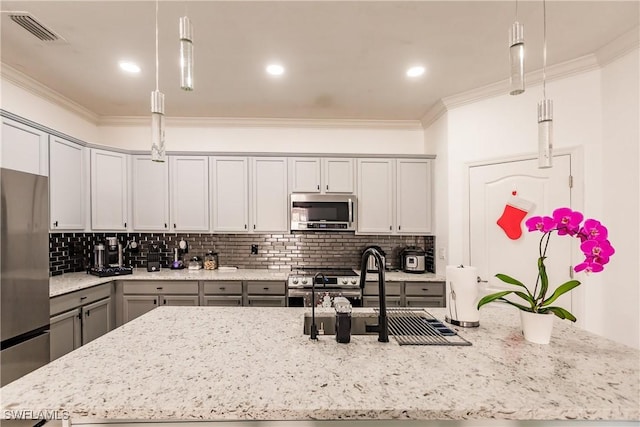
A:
{"x": 235, "y": 122}
{"x": 31, "y": 85}
{"x": 618, "y": 48}
{"x": 437, "y": 110}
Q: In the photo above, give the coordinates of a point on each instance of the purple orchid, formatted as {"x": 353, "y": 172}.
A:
{"x": 589, "y": 265}
{"x": 601, "y": 249}
{"x": 593, "y": 230}
{"x": 540, "y": 223}
{"x": 567, "y": 220}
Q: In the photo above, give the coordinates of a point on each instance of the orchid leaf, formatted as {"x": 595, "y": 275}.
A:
{"x": 562, "y": 289}
{"x": 520, "y": 306}
{"x": 510, "y": 280}
{"x": 560, "y": 312}
{"x": 525, "y": 297}
{"x": 492, "y": 297}
{"x": 544, "y": 279}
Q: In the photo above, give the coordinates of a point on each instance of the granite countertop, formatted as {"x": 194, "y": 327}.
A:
{"x": 219, "y": 363}
{"x": 69, "y": 282}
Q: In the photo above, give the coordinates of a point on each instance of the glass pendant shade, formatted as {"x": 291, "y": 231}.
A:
{"x": 545, "y": 134}
{"x": 516, "y": 59}
{"x": 157, "y": 127}
{"x": 186, "y": 54}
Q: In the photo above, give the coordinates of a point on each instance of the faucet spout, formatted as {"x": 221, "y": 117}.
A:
{"x": 382, "y": 327}
{"x": 314, "y": 327}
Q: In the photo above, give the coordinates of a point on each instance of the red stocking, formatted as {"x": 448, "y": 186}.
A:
{"x": 514, "y": 212}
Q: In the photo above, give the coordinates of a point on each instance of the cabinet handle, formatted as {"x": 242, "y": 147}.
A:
{"x": 399, "y": 227}
{"x": 425, "y": 289}
{"x": 266, "y": 289}
{"x": 79, "y": 316}
{"x": 159, "y": 288}
{"x": 327, "y": 186}
{"x": 55, "y": 224}
{"x": 318, "y": 186}
{"x": 83, "y": 298}
{"x": 174, "y": 225}
{"x": 165, "y": 225}
{"x": 245, "y": 226}
{"x": 254, "y": 226}
{"x": 155, "y": 301}
{"x": 164, "y": 301}
{"x": 222, "y": 288}
{"x": 125, "y": 225}
{"x": 390, "y": 228}
{"x": 88, "y": 313}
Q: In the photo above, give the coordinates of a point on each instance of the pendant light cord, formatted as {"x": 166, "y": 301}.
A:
{"x": 544, "y": 49}
{"x": 157, "y": 62}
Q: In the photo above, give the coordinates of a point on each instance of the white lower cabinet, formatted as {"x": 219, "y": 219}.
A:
{"x": 80, "y": 317}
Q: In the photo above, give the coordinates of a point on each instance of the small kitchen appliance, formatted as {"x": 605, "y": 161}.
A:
{"x": 113, "y": 252}
{"x": 372, "y": 264}
{"x": 412, "y": 260}
{"x": 177, "y": 264}
{"x": 323, "y": 212}
{"x": 108, "y": 259}
{"x": 153, "y": 258}
{"x": 462, "y": 296}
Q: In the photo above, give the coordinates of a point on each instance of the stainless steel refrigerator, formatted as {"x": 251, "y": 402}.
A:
{"x": 24, "y": 274}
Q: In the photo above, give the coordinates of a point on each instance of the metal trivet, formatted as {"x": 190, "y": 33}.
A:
{"x": 419, "y": 327}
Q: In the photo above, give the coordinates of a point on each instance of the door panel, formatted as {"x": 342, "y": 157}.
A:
{"x": 491, "y": 251}
{"x": 65, "y": 333}
{"x": 96, "y": 320}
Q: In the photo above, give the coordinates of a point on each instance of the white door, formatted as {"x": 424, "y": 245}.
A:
{"x": 375, "y": 196}
{"x": 413, "y": 193}
{"x": 66, "y": 185}
{"x": 305, "y": 174}
{"x": 269, "y": 194}
{"x": 491, "y": 187}
{"x": 150, "y": 194}
{"x": 189, "y": 191}
{"x": 230, "y": 182}
{"x": 337, "y": 175}
{"x": 108, "y": 190}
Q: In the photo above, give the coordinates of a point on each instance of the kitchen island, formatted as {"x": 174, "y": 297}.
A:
{"x": 223, "y": 364}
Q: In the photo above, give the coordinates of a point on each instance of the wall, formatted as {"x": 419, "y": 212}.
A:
{"x": 596, "y": 111}
{"x": 69, "y": 252}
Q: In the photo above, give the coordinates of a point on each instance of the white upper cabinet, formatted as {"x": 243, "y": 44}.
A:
{"x": 269, "y": 194}
{"x": 337, "y": 175}
{"x": 315, "y": 175}
{"x": 150, "y": 187}
{"x": 67, "y": 185}
{"x": 230, "y": 184}
{"x": 189, "y": 189}
{"x": 24, "y": 148}
{"x": 304, "y": 174}
{"x": 413, "y": 196}
{"x": 109, "y": 174}
{"x": 375, "y": 196}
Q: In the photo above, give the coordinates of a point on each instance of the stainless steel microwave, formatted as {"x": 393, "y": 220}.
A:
{"x": 323, "y": 212}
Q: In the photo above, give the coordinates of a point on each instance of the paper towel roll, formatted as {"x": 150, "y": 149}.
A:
{"x": 462, "y": 298}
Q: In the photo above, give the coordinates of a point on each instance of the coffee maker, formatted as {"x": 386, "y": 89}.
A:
{"x": 107, "y": 259}
{"x": 113, "y": 252}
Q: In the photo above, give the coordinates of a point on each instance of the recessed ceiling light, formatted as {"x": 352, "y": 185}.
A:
{"x": 129, "y": 67}
{"x": 275, "y": 69}
{"x": 415, "y": 71}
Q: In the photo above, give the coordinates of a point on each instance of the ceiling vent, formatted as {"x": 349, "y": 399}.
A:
{"x": 31, "y": 24}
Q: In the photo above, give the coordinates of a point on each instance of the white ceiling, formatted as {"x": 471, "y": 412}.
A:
{"x": 343, "y": 59}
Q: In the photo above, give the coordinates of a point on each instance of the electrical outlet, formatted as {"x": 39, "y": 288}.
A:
{"x": 441, "y": 253}
{"x": 254, "y": 249}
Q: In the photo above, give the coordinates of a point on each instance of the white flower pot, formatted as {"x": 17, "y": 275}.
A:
{"x": 537, "y": 327}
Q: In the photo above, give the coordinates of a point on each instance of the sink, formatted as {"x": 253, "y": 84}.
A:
{"x": 328, "y": 323}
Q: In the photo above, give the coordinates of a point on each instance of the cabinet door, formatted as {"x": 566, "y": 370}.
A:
{"x": 66, "y": 185}
{"x": 304, "y": 173}
{"x": 150, "y": 194}
{"x": 266, "y": 301}
{"x": 108, "y": 190}
{"x": 24, "y": 148}
{"x": 270, "y": 199}
{"x": 96, "y": 320}
{"x": 182, "y": 300}
{"x": 413, "y": 192}
{"x": 137, "y": 305}
{"x": 375, "y": 196}
{"x": 230, "y": 182}
{"x": 189, "y": 189}
{"x": 337, "y": 175}
{"x": 223, "y": 300}
{"x": 64, "y": 333}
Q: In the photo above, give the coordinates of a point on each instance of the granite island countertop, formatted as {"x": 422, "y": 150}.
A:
{"x": 70, "y": 282}
{"x": 219, "y": 363}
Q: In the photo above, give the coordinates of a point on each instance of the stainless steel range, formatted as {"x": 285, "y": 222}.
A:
{"x": 338, "y": 282}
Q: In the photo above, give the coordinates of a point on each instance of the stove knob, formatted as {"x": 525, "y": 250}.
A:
{"x": 345, "y": 281}
{"x": 304, "y": 281}
{"x": 353, "y": 281}
{"x": 295, "y": 281}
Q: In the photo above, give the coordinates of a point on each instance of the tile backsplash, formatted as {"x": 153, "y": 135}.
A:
{"x": 72, "y": 252}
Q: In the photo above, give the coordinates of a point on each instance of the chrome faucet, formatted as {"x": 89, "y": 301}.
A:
{"x": 382, "y": 328}
{"x": 314, "y": 327}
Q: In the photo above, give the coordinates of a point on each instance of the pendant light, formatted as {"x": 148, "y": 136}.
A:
{"x": 186, "y": 54}
{"x": 516, "y": 57}
{"x": 545, "y": 107}
{"x": 157, "y": 112}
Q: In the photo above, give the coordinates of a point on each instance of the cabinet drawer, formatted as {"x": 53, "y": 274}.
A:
{"x": 223, "y": 288}
{"x": 424, "y": 301}
{"x": 266, "y": 288}
{"x": 374, "y": 301}
{"x": 223, "y": 301}
{"x": 424, "y": 288}
{"x": 75, "y": 299}
{"x": 391, "y": 288}
{"x": 266, "y": 301}
{"x": 160, "y": 287}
